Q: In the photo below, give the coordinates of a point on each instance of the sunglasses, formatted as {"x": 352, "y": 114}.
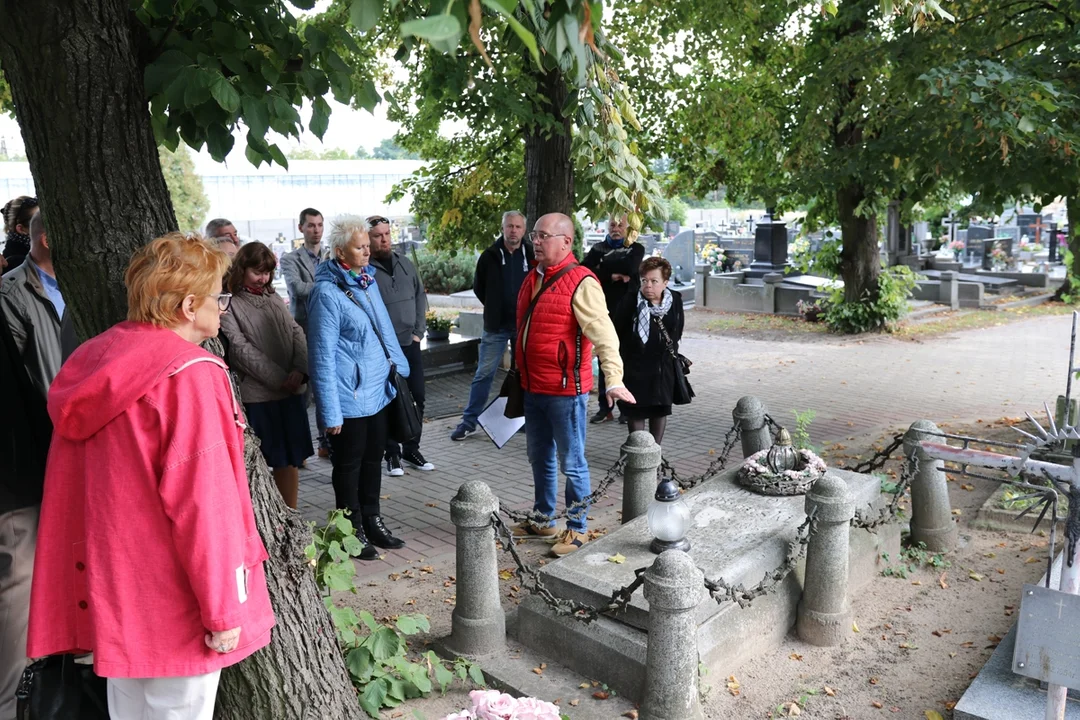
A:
{"x": 376, "y": 220}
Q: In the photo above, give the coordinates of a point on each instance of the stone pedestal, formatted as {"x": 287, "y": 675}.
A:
{"x": 824, "y": 613}
{"x": 770, "y": 248}
{"x": 931, "y": 513}
{"x": 749, "y": 415}
{"x": 949, "y": 290}
{"x": 772, "y": 281}
{"x": 673, "y": 586}
{"x": 639, "y": 476}
{"x": 478, "y": 623}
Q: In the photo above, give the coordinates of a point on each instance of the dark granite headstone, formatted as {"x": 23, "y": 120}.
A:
{"x": 1033, "y": 226}
{"x": 770, "y": 248}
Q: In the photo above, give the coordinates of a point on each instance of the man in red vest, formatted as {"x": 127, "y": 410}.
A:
{"x": 553, "y": 351}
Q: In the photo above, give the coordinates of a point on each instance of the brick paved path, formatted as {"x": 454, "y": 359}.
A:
{"x": 857, "y": 387}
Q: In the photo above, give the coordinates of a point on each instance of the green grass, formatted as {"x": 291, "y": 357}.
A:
{"x": 738, "y": 322}
{"x": 980, "y": 319}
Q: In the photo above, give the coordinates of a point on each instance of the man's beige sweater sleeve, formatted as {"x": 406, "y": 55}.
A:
{"x": 590, "y": 309}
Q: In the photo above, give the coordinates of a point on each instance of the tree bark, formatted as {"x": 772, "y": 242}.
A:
{"x": 300, "y": 674}
{"x": 859, "y": 261}
{"x": 77, "y": 81}
{"x": 77, "y": 84}
{"x": 549, "y": 174}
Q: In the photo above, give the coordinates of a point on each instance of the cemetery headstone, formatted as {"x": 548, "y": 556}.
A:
{"x": 680, "y": 253}
{"x": 770, "y": 248}
{"x": 1032, "y": 225}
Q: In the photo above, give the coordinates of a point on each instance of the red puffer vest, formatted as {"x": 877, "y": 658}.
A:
{"x": 555, "y": 357}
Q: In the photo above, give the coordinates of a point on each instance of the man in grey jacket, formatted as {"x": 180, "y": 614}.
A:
{"x": 298, "y": 267}
{"x": 403, "y": 294}
{"x": 34, "y": 310}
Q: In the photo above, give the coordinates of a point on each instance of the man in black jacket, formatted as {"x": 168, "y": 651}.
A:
{"x": 617, "y": 264}
{"x": 25, "y": 432}
{"x": 500, "y": 271}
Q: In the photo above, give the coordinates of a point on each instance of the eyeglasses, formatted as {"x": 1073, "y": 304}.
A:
{"x": 224, "y": 300}
{"x": 376, "y": 220}
{"x": 541, "y": 236}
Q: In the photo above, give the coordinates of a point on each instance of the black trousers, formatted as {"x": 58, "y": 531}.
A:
{"x": 356, "y": 453}
{"x": 416, "y": 387}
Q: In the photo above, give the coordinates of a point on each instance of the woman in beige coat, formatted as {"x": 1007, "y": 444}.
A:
{"x": 268, "y": 352}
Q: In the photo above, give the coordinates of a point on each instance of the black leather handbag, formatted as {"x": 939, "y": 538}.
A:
{"x": 682, "y": 393}
{"x": 58, "y": 688}
{"x": 403, "y": 422}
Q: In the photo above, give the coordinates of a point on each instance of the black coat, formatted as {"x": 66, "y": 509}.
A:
{"x": 488, "y": 284}
{"x": 25, "y": 430}
{"x": 606, "y": 261}
{"x": 649, "y": 369}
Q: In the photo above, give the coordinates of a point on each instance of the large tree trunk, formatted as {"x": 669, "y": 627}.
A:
{"x": 859, "y": 260}
{"x": 549, "y": 174}
{"x": 77, "y": 82}
{"x": 300, "y": 674}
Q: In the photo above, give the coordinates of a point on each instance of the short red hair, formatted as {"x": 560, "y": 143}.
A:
{"x": 165, "y": 271}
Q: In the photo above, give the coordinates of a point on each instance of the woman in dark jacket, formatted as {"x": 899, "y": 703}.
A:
{"x": 648, "y": 364}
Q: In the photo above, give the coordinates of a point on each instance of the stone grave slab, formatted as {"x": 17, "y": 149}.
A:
{"x": 991, "y": 282}
{"x": 736, "y": 535}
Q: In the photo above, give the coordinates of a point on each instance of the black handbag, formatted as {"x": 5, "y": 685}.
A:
{"x": 58, "y": 688}
{"x": 403, "y": 417}
{"x": 682, "y": 393}
{"x": 511, "y": 388}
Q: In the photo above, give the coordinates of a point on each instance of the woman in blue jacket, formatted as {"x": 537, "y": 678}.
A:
{"x": 350, "y": 376}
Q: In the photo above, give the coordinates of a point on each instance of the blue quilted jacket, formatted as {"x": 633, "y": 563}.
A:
{"x": 348, "y": 369}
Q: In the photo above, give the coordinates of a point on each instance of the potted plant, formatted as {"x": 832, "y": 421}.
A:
{"x": 438, "y": 326}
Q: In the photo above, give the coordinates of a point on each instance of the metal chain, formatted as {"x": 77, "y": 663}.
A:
{"x": 715, "y": 467}
{"x": 575, "y": 510}
{"x": 887, "y": 513}
{"x": 530, "y": 580}
{"x": 879, "y": 458}
{"x": 721, "y": 591}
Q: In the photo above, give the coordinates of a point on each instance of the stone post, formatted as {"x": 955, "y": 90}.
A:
{"x": 701, "y": 280}
{"x": 673, "y": 586}
{"x": 639, "y": 478}
{"x": 768, "y": 301}
{"x": 931, "y": 513}
{"x": 824, "y": 616}
{"x": 478, "y": 626}
{"x": 949, "y": 290}
{"x": 749, "y": 414}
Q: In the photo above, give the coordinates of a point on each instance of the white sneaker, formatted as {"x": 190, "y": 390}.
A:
{"x": 393, "y": 467}
{"x": 416, "y": 460}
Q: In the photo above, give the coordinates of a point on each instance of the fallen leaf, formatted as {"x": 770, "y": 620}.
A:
{"x": 793, "y": 709}
{"x": 957, "y": 511}
{"x": 874, "y": 681}
{"x": 632, "y": 714}
{"x": 617, "y": 558}
{"x": 435, "y": 505}
{"x": 584, "y": 685}
{"x": 950, "y": 705}
{"x": 795, "y": 656}
{"x": 877, "y": 704}
{"x": 952, "y": 655}
{"x": 854, "y": 626}
{"x": 538, "y": 671}
{"x": 916, "y": 582}
{"x": 1033, "y": 559}
{"x": 601, "y": 694}
{"x": 385, "y": 497}
{"x": 427, "y": 569}
{"x": 941, "y": 581}
{"x": 505, "y": 575}
{"x": 975, "y": 576}
{"x": 574, "y": 703}
{"x": 1001, "y": 571}
{"x": 829, "y": 691}
{"x": 733, "y": 685}
{"x": 394, "y": 576}
{"x": 967, "y": 487}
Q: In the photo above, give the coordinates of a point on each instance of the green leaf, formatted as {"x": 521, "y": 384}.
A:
{"x": 522, "y": 33}
{"x": 367, "y": 96}
{"x": 351, "y": 543}
{"x": 442, "y": 676}
{"x": 343, "y": 524}
{"x": 255, "y": 115}
{"x": 384, "y": 643}
{"x": 316, "y": 38}
{"x": 225, "y": 94}
{"x": 335, "y": 552}
{"x": 407, "y": 625}
{"x": 433, "y": 28}
{"x": 360, "y": 664}
{"x": 219, "y": 141}
{"x": 476, "y": 674}
{"x": 374, "y": 697}
{"x": 1025, "y": 125}
{"x": 368, "y": 619}
{"x": 336, "y": 576}
{"x": 365, "y": 14}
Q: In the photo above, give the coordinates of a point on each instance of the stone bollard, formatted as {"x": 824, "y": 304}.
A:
{"x": 478, "y": 625}
{"x": 701, "y": 279}
{"x": 931, "y": 513}
{"x": 768, "y": 298}
{"x": 749, "y": 414}
{"x": 674, "y": 587}
{"x": 949, "y": 289}
{"x": 639, "y": 478}
{"x": 824, "y": 616}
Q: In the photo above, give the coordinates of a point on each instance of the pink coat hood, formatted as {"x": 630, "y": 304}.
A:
{"x": 147, "y": 538}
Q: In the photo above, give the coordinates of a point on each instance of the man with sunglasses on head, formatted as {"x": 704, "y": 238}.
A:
{"x": 403, "y": 294}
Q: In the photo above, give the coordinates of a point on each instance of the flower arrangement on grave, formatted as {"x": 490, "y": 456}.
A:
{"x": 1035, "y": 247}
{"x": 998, "y": 257}
{"x": 713, "y": 255}
{"x": 781, "y": 469}
{"x": 957, "y": 246}
{"x": 438, "y": 325}
{"x": 494, "y": 705}
{"x": 811, "y": 310}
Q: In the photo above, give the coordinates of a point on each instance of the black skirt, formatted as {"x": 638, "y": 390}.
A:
{"x": 283, "y": 429}
{"x": 643, "y": 412}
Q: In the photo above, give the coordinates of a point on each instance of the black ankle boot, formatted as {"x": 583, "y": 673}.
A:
{"x": 369, "y": 552}
{"x": 379, "y": 534}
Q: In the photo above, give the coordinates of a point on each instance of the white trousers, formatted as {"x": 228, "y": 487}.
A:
{"x": 179, "y": 698}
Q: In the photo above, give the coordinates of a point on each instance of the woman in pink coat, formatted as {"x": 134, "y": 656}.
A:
{"x": 148, "y": 555}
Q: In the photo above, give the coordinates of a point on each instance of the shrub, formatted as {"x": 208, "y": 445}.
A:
{"x": 894, "y": 288}
{"x": 443, "y": 273}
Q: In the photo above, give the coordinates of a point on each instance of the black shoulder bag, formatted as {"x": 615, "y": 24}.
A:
{"x": 511, "y": 388}
{"x": 682, "y": 393}
{"x": 58, "y": 688}
{"x": 404, "y": 421}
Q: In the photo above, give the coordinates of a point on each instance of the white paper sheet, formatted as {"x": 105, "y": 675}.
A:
{"x": 499, "y": 427}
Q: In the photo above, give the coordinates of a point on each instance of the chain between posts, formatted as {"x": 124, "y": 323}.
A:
{"x": 530, "y": 580}
{"x": 721, "y": 591}
{"x": 715, "y": 467}
{"x": 574, "y": 510}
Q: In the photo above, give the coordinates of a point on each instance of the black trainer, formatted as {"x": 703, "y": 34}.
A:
{"x": 414, "y": 459}
{"x": 369, "y": 552}
{"x": 601, "y": 416}
{"x": 379, "y": 534}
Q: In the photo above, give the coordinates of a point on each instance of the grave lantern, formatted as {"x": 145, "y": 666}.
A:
{"x": 669, "y": 519}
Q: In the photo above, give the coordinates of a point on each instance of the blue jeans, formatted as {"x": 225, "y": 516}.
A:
{"x": 492, "y": 348}
{"x": 555, "y": 427}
